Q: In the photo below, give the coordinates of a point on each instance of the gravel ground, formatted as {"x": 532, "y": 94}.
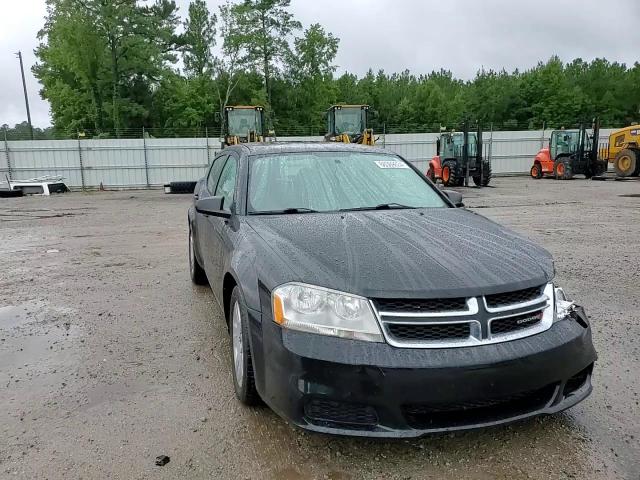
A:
{"x": 109, "y": 356}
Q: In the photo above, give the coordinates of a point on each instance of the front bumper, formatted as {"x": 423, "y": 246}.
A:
{"x": 359, "y": 388}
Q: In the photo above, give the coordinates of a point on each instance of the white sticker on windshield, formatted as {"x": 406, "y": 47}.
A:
{"x": 391, "y": 164}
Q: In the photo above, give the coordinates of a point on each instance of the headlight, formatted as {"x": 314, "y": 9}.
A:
{"x": 563, "y": 305}
{"x": 325, "y": 312}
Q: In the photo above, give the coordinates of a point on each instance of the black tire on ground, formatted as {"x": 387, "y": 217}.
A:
{"x": 562, "y": 169}
{"x": 243, "y": 376}
{"x": 452, "y": 179}
{"x": 431, "y": 175}
{"x": 182, "y": 187}
{"x": 486, "y": 175}
{"x": 626, "y": 163}
{"x": 536, "y": 171}
{"x": 196, "y": 272}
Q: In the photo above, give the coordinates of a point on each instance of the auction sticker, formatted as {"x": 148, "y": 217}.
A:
{"x": 391, "y": 164}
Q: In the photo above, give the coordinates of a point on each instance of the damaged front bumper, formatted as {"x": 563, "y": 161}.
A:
{"x": 347, "y": 387}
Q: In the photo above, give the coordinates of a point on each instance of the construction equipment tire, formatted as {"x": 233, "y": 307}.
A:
{"x": 562, "y": 169}
{"x": 486, "y": 175}
{"x": 626, "y": 163}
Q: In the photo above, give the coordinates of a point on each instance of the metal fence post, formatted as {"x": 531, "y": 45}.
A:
{"x": 490, "y": 142}
{"x": 146, "y": 160}
{"x": 206, "y": 134}
{"x": 6, "y": 154}
{"x": 384, "y": 135}
{"x": 81, "y": 163}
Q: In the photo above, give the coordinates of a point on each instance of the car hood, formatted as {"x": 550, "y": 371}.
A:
{"x": 427, "y": 253}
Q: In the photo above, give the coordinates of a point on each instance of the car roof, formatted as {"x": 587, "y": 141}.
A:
{"x": 298, "y": 147}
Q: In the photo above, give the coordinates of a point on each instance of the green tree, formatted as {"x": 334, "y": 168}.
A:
{"x": 198, "y": 39}
{"x": 71, "y": 67}
{"x": 133, "y": 44}
{"x": 263, "y": 28}
{"x": 313, "y": 54}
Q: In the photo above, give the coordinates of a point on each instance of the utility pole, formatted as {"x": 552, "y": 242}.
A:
{"x": 26, "y": 97}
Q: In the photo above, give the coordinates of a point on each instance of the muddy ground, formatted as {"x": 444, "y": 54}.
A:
{"x": 109, "y": 356}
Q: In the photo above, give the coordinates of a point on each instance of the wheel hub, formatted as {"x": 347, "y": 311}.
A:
{"x": 625, "y": 162}
{"x": 191, "y": 254}
{"x": 238, "y": 345}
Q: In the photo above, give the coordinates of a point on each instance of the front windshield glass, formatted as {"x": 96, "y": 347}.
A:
{"x": 349, "y": 120}
{"x": 242, "y": 121}
{"x": 458, "y": 144}
{"x": 331, "y": 181}
{"x": 565, "y": 141}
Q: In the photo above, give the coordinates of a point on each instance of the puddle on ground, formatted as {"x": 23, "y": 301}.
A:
{"x": 12, "y": 316}
{"x": 33, "y": 332}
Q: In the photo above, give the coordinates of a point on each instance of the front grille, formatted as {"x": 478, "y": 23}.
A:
{"x": 430, "y": 305}
{"x": 428, "y": 416}
{"x": 500, "y": 326}
{"x": 510, "y": 298}
{"x": 429, "y": 332}
{"x": 341, "y": 414}
{"x": 463, "y": 322}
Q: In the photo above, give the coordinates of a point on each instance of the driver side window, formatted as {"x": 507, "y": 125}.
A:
{"x": 214, "y": 173}
{"x": 227, "y": 183}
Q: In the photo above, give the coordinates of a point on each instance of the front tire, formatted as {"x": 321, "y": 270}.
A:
{"x": 625, "y": 163}
{"x": 197, "y": 273}
{"x": 562, "y": 169}
{"x": 450, "y": 174}
{"x": 242, "y": 361}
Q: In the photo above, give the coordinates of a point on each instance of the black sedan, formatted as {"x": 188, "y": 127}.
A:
{"x": 361, "y": 301}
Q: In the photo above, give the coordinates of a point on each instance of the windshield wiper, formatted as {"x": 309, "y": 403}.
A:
{"x": 284, "y": 211}
{"x": 382, "y": 206}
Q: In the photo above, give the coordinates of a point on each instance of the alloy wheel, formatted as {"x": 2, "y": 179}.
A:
{"x": 238, "y": 344}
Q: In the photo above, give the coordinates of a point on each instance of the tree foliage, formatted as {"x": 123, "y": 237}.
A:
{"x": 109, "y": 66}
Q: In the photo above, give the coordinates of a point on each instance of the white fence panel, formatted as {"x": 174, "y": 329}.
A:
{"x": 171, "y": 159}
{"x": 130, "y": 163}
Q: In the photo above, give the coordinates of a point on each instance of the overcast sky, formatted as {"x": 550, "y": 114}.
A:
{"x": 419, "y": 35}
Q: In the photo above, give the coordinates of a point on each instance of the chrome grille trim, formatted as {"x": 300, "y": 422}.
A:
{"x": 477, "y": 315}
{"x": 506, "y": 308}
{"x": 472, "y": 309}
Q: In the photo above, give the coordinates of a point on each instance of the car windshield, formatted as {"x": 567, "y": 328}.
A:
{"x": 335, "y": 181}
{"x": 242, "y": 121}
{"x": 349, "y": 120}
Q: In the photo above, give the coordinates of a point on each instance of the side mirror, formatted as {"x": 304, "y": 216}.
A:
{"x": 438, "y": 147}
{"x": 455, "y": 197}
{"x": 212, "y": 206}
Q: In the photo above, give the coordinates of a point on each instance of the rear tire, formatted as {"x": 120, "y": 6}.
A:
{"x": 431, "y": 175}
{"x": 626, "y": 163}
{"x": 241, "y": 360}
{"x": 536, "y": 171}
{"x": 197, "y": 273}
{"x": 486, "y": 176}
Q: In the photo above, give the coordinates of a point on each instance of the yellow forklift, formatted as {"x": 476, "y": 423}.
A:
{"x": 348, "y": 124}
{"x": 243, "y": 124}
